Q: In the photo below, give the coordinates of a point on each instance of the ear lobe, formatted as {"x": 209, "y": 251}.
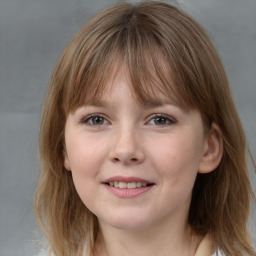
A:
{"x": 213, "y": 150}
{"x": 66, "y": 162}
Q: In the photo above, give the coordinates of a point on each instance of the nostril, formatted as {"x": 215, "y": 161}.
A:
{"x": 131, "y": 160}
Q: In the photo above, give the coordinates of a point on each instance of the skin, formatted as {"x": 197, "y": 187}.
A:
{"x": 120, "y": 137}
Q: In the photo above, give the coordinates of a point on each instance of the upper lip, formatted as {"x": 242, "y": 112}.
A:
{"x": 127, "y": 179}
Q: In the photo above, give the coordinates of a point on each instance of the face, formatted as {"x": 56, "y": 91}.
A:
{"x": 134, "y": 165}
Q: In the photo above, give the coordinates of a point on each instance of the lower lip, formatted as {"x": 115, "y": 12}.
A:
{"x": 128, "y": 192}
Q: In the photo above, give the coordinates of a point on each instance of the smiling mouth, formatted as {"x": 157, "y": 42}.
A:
{"x": 128, "y": 185}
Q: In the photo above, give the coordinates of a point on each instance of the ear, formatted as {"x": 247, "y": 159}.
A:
{"x": 213, "y": 150}
{"x": 66, "y": 162}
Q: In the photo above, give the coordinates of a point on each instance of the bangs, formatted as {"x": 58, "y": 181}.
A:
{"x": 153, "y": 63}
{"x": 150, "y": 77}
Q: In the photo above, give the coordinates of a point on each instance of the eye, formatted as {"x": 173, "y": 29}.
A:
{"x": 161, "y": 120}
{"x": 95, "y": 120}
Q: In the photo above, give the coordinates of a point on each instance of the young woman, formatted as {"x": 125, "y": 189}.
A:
{"x": 142, "y": 151}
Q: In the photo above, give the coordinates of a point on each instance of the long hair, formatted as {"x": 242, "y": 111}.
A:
{"x": 165, "y": 50}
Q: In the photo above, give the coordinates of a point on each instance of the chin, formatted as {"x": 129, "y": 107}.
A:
{"x": 129, "y": 226}
{"x": 127, "y": 222}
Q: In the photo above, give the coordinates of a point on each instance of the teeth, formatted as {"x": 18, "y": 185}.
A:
{"x": 138, "y": 184}
{"x": 121, "y": 184}
{"x": 131, "y": 185}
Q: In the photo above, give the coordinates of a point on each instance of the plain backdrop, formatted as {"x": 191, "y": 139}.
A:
{"x": 33, "y": 34}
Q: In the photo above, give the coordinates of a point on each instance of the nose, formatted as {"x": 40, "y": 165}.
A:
{"x": 127, "y": 147}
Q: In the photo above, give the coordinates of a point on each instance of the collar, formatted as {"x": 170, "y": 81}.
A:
{"x": 205, "y": 248}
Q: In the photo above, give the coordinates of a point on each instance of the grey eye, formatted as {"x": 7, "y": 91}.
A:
{"x": 160, "y": 121}
{"x": 97, "y": 120}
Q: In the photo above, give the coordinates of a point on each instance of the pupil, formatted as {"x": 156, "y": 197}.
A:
{"x": 97, "y": 120}
{"x": 160, "y": 120}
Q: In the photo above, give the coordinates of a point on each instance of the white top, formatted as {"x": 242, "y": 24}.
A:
{"x": 218, "y": 253}
{"x": 205, "y": 248}
{"x": 44, "y": 253}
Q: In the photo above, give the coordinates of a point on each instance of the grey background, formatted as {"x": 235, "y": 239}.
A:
{"x": 33, "y": 34}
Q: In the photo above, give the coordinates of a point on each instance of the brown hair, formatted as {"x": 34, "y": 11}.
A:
{"x": 163, "y": 49}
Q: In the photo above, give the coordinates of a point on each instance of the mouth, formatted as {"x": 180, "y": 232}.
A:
{"x": 128, "y": 185}
{"x": 127, "y": 182}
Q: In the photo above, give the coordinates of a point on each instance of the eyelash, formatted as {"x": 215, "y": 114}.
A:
{"x": 89, "y": 119}
{"x": 167, "y": 120}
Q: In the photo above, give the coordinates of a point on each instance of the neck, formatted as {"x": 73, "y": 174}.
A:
{"x": 160, "y": 240}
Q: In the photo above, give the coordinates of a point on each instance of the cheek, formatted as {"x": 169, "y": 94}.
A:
{"x": 85, "y": 161}
{"x": 178, "y": 158}
{"x": 84, "y": 154}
